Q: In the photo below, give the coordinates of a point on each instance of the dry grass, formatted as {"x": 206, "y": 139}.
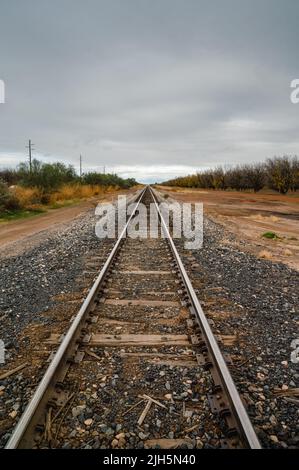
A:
{"x": 265, "y": 254}
{"x": 33, "y": 198}
{"x": 27, "y": 197}
{"x": 75, "y": 191}
{"x": 265, "y": 218}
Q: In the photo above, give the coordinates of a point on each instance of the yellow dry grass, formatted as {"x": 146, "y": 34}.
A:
{"x": 27, "y": 197}
{"x": 265, "y": 218}
{"x": 265, "y": 254}
{"x": 33, "y": 198}
{"x": 70, "y": 192}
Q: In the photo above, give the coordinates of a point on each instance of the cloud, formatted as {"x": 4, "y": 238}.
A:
{"x": 154, "y": 88}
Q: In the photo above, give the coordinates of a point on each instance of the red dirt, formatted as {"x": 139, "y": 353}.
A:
{"x": 30, "y": 232}
{"x": 249, "y": 215}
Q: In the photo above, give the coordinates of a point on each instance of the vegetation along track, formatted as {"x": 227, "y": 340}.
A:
{"x": 139, "y": 366}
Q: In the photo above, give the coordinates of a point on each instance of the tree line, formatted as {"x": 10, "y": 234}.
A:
{"x": 28, "y": 186}
{"x": 279, "y": 173}
{"x": 51, "y": 176}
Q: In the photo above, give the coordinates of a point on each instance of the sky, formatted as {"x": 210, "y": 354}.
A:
{"x": 150, "y": 89}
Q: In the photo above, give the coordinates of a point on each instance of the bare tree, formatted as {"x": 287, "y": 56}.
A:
{"x": 255, "y": 176}
{"x": 295, "y": 174}
{"x": 279, "y": 171}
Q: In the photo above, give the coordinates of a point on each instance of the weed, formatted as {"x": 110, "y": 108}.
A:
{"x": 270, "y": 235}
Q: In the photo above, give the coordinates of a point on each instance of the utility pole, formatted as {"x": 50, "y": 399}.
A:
{"x": 80, "y": 166}
{"x": 30, "y": 147}
{"x": 104, "y": 169}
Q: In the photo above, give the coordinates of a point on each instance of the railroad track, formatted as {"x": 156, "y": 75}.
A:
{"x": 139, "y": 365}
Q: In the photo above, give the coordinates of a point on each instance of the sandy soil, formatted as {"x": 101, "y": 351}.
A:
{"x": 20, "y": 235}
{"x": 250, "y": 215}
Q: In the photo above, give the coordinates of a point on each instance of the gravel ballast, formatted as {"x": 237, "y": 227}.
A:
{"x": 29, "y": 282}
{"x": 258, "y": 301}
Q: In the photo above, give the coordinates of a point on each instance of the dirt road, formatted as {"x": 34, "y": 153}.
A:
{"x": 18, "y": 236}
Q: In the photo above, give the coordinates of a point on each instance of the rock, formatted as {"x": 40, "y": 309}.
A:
{"x": 274, "y": 439}
{"x": 168, "y": 396}
{"x": 273, "y": 420}
{"x": 167, "y": 386}
{"x": 88, "y": 422}
{"x": 13, "y": 414}
{"x": 260, "y": 376}
{"x": 103, "y": 427}
{"x": 199, "y": 444}
{"x": 109, "y": 431}
{"x": 77, "y": 410}
{"x": 66, "y": 445}
{"x": 121, "y": 442}
{"x": 114, "y": 443}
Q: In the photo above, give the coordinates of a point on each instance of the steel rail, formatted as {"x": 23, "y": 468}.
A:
{"x": 60, "y": 355}
{"x": 240, "y": 414}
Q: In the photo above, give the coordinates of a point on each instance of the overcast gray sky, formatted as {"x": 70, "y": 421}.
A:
{"x": 149, "y": 88}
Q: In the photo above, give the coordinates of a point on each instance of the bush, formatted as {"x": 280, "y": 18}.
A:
{"x": 46, "y": 176}
{"x": 28, "y": 196}
{"x": 100, "y": 179}
{"x": 11, "y": 177}
{"x": 8, "y": 200}
{"x": 70, "y": 192}
{"x": 270, "y": 235}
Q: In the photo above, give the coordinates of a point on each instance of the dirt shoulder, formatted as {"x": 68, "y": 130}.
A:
{"x": 21, "y": 235}
{"x": 248, "y": 216}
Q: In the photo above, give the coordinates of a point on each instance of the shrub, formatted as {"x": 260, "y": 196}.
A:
{"x": 8, "y": 200}
{"x": 271, "y": 235}
{"x": 46, "y": 176}
{"x": 70, "y": 192}
{"x": 101, "y": 179}
{"x": 28, "y": 196}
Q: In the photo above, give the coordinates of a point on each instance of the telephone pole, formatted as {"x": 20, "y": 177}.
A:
{"x": 80, "y": 166}
{"x": 30, "y": 147}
